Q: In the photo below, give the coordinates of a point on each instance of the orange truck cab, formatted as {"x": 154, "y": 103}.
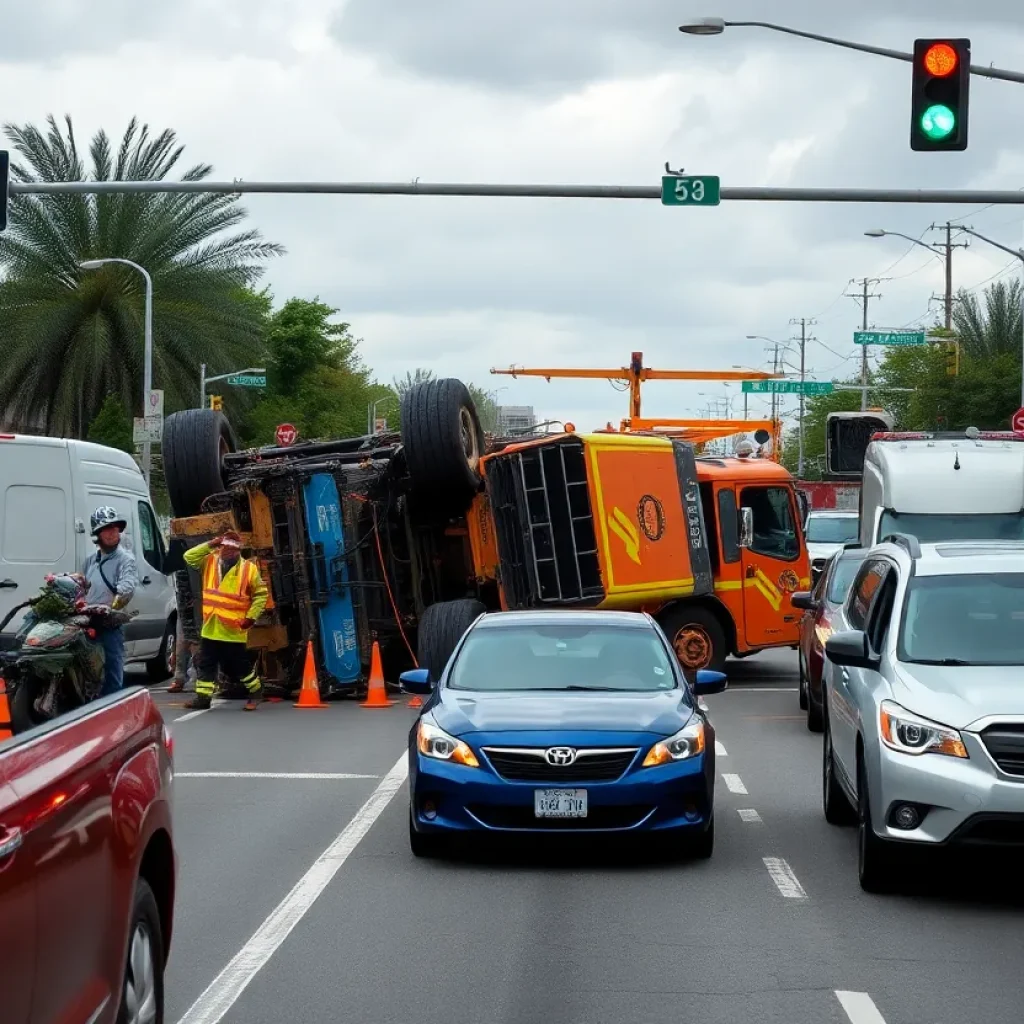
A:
{"x": 711, "y": 547}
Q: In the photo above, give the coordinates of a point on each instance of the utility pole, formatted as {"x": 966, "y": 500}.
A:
{"x": 804, "y": 338}
{"x": 948, "y": 246}
{"x": 862, "y": 297}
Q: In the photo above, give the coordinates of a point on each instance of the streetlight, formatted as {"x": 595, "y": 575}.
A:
{"x": 147, "y": 372}
{"x": 716, "y": 26}
{"x": 944, "y": 258}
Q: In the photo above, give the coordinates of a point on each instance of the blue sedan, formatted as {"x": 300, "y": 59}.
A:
{"x": 562, "y": 722}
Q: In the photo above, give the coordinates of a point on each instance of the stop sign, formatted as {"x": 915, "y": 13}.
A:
{"x": 285, "y": 435}
{"x": 1018, "y": 421}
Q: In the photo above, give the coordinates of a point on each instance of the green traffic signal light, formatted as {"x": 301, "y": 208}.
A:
{"x": 938, "y": 121}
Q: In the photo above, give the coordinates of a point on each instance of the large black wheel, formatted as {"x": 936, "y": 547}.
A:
{"x": 443, "y": 441}
{"x": 440, "y": 628}
{"x": 194, "y": 445}
{"x": 803, "y": 679}
{"x": 697, "y": 636}
{"x": 142, "y": 991}
{"x": 22, "y": 704}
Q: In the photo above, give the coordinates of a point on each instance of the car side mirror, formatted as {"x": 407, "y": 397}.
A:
{"x": 416, "y": 680}
{"x": 804, "y": 600}
{"x": 709, "y": 681}
{"x": 746, "y": 537}
{"x": 851, "y": 649}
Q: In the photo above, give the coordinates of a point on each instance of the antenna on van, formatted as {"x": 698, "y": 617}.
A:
{"x": 956, "y": 461}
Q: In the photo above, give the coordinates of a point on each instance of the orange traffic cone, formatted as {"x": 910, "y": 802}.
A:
{"x": 376, "y": 693}
{"x": 309, "y": 695}
{"x": 5, "y": 713}
{"x": 416, "y": 702}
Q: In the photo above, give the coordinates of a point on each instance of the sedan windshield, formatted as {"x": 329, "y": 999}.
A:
{"x": 964, "y": 620}
{"x": 563, "y": 657}
{"x": 832, "y": 529}
{"x": 932, "y": 528}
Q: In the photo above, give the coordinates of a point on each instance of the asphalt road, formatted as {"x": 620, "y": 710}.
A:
{"x": 299, "y": 900}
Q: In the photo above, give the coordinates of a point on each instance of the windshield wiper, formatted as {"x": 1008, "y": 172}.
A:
{"x": 942, "y": 661}
{"x": 572, "y": 686}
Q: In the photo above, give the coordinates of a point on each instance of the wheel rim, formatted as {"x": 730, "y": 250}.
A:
{"x": 468, "y": 437}
{"x": 140, "y": 1001}
{"x": 693, "y": 647}
{"x": 169, "y": 652}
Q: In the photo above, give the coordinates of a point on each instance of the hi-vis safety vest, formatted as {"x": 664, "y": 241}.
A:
{"x": 229, "y": 599}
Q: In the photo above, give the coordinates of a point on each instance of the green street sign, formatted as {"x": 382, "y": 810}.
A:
{"x": 691, "y": 190}
{"x": 241, "y": 380}
{"x": 789, "y": 387}
{"x": 888, "y": 337}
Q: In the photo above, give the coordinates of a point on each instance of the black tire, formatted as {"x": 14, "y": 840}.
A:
{"x": 877, "y": 861}
{"x": 443, "y": 441}
{"x": 697, "y": 636}
{"x": 194, "y": 445}
{"x": 815, "y": 716}
{"x": 159, "y": 669}
{"x": 423, "y": 845}
{"x": 145, "y": 929}
{"x": 803, "y": 679}
{"x": 440, "y": 628}
{"x": 834, "y": 801}
{"x": 23, "y": 713}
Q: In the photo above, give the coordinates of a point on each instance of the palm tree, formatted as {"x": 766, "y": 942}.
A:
{"x": 71, "y": 337}
{"x": 994, "y": 330}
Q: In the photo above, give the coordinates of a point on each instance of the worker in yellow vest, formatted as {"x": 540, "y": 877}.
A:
{"x": 234, "y": 596}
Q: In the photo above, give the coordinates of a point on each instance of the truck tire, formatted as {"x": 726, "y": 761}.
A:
{"x": 697, "y": 636}
{"x": 22, "y": 701}
{"x": 443, "y": 440}
{"x": 440, "y": 628}
{"x": 194, "y": 445}
{"x": 143, "y": 983}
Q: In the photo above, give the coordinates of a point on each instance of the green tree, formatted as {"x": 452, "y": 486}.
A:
{"x": 73, "y": 337}
{"x": 992, "y": 326}
{"x": 112, "y": 426}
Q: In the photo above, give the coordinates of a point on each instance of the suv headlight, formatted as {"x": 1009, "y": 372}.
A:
{"x": 432, "y": 741}
{"x": 688, "y": 742}
{"x": 908, "y": 733}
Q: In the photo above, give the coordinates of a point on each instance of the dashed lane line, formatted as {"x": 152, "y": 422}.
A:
{"x": 320, "y": 776}
{"x": 222, "y": 993}
{"x": 720, "y": 749}
{"x": 734, "y": 783}
{"x": 859, "y": 1007}
{"x": 785, "y": 881}
{"x": 748, "y": 814}
{"x": 191, "y": 714}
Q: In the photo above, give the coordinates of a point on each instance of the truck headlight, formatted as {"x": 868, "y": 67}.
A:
{"x": 908, "y": 733}
{"x": 687, "y": 743}
{"x": 433, "y": 741}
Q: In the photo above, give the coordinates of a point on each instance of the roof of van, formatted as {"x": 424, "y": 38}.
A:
{"x": 86, "y": 451}
{"x": 921, "y": 475}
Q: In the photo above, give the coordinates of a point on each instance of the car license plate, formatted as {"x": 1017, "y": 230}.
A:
{"x": 560, "y": 803}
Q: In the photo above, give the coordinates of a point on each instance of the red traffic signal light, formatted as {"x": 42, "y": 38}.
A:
{"x": 940, "y": 94}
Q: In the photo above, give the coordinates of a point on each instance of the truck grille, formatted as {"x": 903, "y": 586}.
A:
{"x": 529, "y": 765}
{"x": 1005, "y": 742}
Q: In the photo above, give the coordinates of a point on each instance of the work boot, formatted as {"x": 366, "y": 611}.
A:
{"x": 255, "y": 699}
{"x": 176, "y": 687}
{"x": 199, "y": 703}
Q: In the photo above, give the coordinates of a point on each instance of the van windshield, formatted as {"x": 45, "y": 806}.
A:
{"x": 832, "y": 529}
{"x": 931, "y": 528}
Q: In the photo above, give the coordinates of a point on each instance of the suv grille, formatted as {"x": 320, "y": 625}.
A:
{"x": 495, "y": 816}
{"x": 527, "y": 764}
{"x": 1005, "y": 743}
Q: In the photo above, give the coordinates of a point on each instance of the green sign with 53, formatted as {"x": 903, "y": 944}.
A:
{"x": 691, "y": 190}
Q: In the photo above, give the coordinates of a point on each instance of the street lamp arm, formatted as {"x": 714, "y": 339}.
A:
{"x": 1019, "y": 253}
{"x": 96, "y": 264}
{"x": 881, "y": 51}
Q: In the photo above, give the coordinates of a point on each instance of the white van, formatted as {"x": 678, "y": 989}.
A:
{"x": 940, "y": 487}
{"x": 48, "y": 490}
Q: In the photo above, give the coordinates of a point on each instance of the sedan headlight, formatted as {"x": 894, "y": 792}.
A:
{"x": 688, "y": 742}
{"x": 432, "y": 741}
{"x": 908, "y": 733}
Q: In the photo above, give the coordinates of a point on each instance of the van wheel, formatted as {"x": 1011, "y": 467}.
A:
{"x": 443, "y": 441}
{"x": 142, "y": 991}
{"x": 440, "y": 628}
{"x": 161, "y": 668}
{"x": 696, "y": 636}
{"x": 22, "y": 704}
{"x": 194, "y": 445}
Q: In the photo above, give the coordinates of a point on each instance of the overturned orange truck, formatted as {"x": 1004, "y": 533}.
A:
{"x": 405, "y": 538}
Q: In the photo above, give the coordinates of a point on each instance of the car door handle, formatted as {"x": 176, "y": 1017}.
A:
{"x": 10, "y": 840}
{"x": 8, "y": 585}
{"x": 846, "y": 676}
{"x": 146, "y": 581}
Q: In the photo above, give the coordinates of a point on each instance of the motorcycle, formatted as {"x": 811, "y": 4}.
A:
{"x": 57, "y": 663}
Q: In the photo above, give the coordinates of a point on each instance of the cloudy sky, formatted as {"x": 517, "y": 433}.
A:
{"x": 563, "y": 91}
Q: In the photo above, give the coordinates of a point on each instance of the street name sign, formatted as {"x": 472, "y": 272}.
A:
{"x": 691, "y": 190}
{"x": 247, "y": 380}
{"x": 789, "y": 387}
{"x": 888, "y": 338}
{"x": 148, "y": 428}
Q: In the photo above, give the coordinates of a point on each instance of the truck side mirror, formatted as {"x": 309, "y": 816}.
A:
{"x": 746, "y": 537}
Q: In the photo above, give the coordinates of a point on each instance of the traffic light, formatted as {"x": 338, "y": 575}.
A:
{"x": 216, "y": 403}
{"x": 952, "y": 358}
{"x": 940, "y": 95}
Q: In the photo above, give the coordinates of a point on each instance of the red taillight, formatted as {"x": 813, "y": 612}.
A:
{"x": 168, "y": 743}
{"x": 7, "y": 437}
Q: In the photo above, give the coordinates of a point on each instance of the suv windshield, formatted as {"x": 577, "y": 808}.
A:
{"x": 832, "y": 529}
{"x": 842, "y": 577}
{"x": 964, "y": 620}
{"x": 932, "y": 528}
{"x": 562, "y": 657}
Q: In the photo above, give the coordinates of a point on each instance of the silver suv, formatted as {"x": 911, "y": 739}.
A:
{"x": 924, "y": 704}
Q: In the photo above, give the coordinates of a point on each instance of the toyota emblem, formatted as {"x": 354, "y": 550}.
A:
{"x": 560, "y": 757}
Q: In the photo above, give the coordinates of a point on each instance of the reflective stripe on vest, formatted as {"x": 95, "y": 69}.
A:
{"x": 229, "y": 607}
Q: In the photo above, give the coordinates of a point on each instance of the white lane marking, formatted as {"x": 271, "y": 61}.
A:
{"x": 220, "y": 995}
{"x": 191, "y": 714}
{"x": 733, "y": 783}
{"x": 761, "y": 689}
{"x": 749, "y": 814}
{"x": 782, "y": 875}
{"x": 271, "y": 775}
{"x": 859, "y": 1007}
{"x": 720, "y": 749}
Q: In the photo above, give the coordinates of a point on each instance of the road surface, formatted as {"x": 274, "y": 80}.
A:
{"x": 300, "y": 903}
